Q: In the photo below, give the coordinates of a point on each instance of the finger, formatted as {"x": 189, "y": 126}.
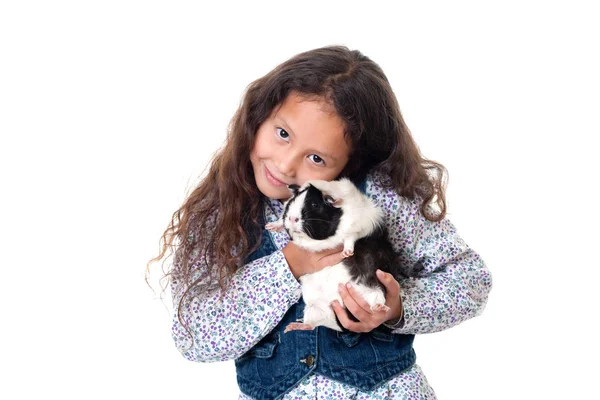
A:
{"x": 331, "y": 258}
{"x": 392, "y": 298}
{"x": 392, "y": 286}
{"x": 354, "y": 302}
{"x": 335, "y": 251}
{"x": 366, "y": 321}
{"x": 345, "y": 321}
{"x": 358, "y": 298}
{"x": 370, "y": 319}
{"x": 334, "y": 258}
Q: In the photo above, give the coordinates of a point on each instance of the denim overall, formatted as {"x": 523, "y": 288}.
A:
{"x": 282, "y": 360}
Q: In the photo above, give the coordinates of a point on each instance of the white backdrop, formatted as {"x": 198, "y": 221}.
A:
{"x": 109, "y": 111}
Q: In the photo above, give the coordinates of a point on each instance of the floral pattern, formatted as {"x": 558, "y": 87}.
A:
{"x": 449, "y": 283}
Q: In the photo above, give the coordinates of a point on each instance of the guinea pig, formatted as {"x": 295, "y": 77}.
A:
{"x": 322, "y": 215}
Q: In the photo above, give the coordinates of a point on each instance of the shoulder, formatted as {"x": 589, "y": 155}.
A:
{"x": 197, "y": 226}
{"x": 380, "y": 189}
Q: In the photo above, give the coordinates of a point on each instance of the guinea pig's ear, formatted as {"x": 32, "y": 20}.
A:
{"x": 294, "y": 188}
{"x": 331, "y": 201}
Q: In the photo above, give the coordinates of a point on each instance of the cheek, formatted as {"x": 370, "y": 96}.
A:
{"x": 315, "y": 174}
{"x": 334, "y": 174}
{"x": 254, "y": 160}
{"x": 261, "y": 145}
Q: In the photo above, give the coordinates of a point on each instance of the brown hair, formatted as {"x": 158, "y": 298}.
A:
{"x": 226, "y": 205}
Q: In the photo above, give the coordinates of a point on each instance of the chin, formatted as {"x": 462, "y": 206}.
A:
{"x": 272, "y": 192}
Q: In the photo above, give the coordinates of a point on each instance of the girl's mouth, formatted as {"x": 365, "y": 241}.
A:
{"x": 272, "y": 180}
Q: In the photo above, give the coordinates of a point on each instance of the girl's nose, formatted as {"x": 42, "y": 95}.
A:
{"x": 287, "y": 165}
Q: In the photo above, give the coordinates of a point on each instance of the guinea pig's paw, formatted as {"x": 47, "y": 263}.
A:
{"x": 274, "y": 226}
{"x": 347, "y": 253}
{"x": 379, "y": 307}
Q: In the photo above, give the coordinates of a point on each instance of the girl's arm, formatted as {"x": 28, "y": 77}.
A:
{"x": 224, "y": 327}
{"x": 449, "y": 282}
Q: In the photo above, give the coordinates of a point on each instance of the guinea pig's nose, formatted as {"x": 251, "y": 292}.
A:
{"x": 294, "y": 219}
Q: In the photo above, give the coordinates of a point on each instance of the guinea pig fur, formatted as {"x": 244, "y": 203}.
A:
{"x": 322, "y": 215}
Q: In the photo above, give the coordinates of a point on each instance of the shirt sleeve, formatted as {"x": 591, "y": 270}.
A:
{"x": 446, "y": 281}
{"x": 226, "y": 325}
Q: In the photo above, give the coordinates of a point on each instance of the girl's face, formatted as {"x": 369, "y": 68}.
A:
{"x": 301, "y": 140}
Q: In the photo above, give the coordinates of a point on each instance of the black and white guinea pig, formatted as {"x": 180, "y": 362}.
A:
{"x": 322, "y": 215}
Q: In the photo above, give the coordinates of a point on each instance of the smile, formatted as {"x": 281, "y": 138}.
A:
{"x": 272, "y": 180}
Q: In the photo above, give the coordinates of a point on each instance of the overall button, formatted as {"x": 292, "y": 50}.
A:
{"x": 310, "y": 360}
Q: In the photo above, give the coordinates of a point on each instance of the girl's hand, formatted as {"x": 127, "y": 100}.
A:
{"x": 368, "y": 320}
{"x": 302, "y": 262}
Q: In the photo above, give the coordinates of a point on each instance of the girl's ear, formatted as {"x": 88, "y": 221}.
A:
{"x": 294, "y": 188}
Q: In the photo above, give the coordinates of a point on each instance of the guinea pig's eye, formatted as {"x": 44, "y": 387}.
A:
{"x": 328, "y": 199}
{"x": 314, "y": 204}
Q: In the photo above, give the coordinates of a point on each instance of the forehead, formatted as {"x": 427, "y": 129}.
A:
{"x": 313, "y": 123}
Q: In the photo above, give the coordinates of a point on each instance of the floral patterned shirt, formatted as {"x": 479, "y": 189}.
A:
{"x": 449, "y": 284}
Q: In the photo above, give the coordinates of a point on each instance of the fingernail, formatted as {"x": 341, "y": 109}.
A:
{"x": 340, "y": 287}
{"x": 379, "y": 273}
{"x": 348, "y": 285}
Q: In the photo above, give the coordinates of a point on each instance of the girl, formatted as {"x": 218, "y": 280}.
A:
{"x": 323, "y": 114}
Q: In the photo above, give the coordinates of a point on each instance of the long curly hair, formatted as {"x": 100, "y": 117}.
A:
{"x": 226, "y": 205}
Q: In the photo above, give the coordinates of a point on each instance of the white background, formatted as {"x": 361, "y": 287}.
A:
{"x": 109, "y": 111}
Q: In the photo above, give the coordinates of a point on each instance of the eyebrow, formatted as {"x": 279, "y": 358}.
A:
{"x": 288, "y": 128}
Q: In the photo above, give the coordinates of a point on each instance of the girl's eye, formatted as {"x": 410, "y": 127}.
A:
{"x": 316, "y": 159}
{"x": 282, "y": 134}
